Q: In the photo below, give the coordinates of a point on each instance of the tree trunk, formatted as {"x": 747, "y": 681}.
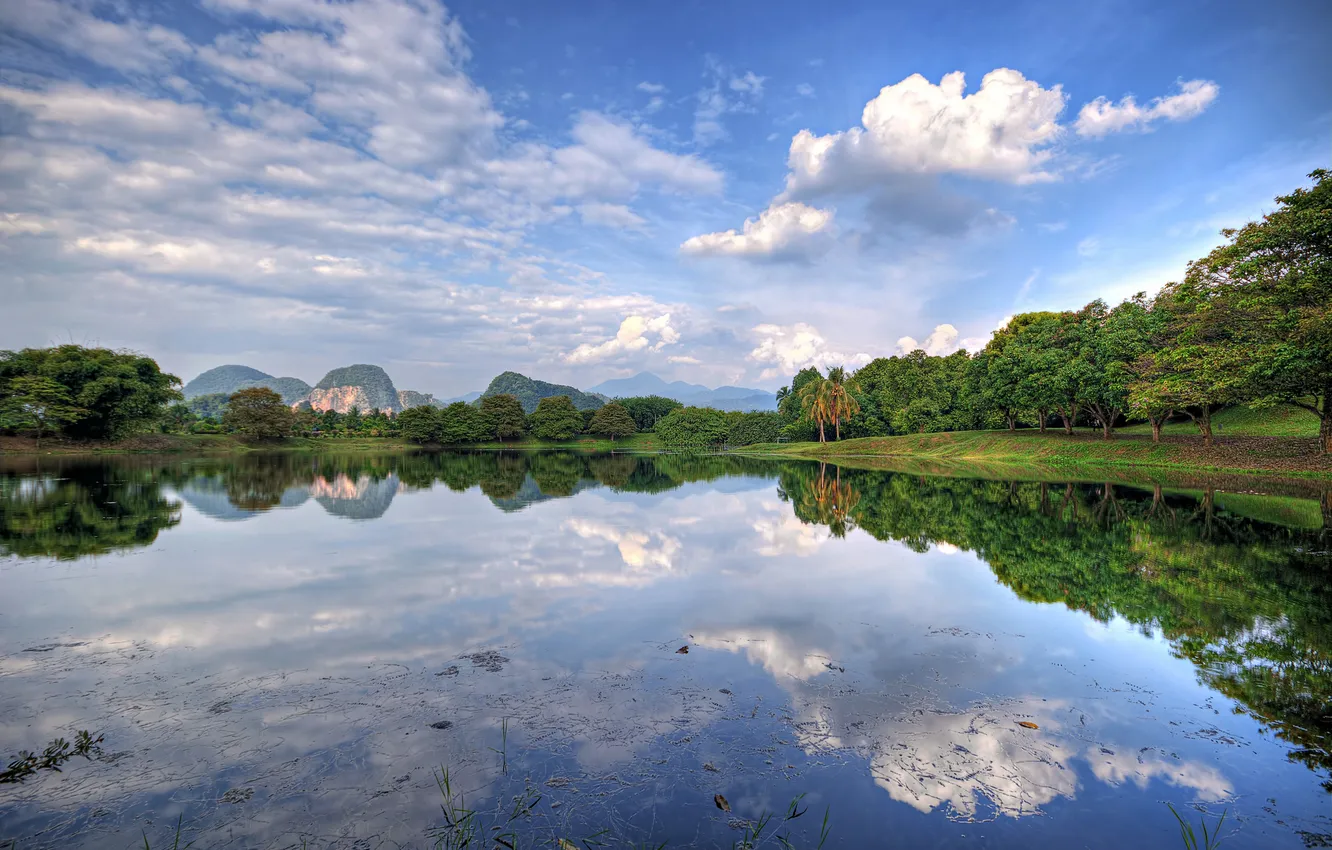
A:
{"x": 822, "y": 439}
{"x": 1012, "y": 421}
{"x": 1204, "y": 423}
{"x": 837, "y": 429}
{"x": 1325, "y": 428}
{"x": 1069, "y": 416}
{"x": 1044, "y": 414}
{"x": 1106, "y": 429}
{"x": 1156, "y": 430}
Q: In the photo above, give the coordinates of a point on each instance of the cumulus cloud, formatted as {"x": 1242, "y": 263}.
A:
{"x": 1102, "y": 117}
{"x": 651, "y": 88}
{"x": 805, "y": 90}
{"x": 783, "y": 230}
{"x": 785, "y": 350}
{"x": 943, "y": 340}
{"x": 1002, "y": 131}
{"x": 634, "y": 335}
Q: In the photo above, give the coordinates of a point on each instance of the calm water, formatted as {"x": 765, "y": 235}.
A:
{"x": 286, "y": 652}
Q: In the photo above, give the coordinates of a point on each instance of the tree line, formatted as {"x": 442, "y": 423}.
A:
{"x": 1249, "y": 323}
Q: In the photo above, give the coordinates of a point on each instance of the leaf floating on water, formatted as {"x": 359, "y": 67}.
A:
{"x": 1027, "y": 724}
{"x": 566, "y": 844}
{"x": 721, "y": 803}
{"x": 710, "y": 767}
{"x": 684, "y": 650}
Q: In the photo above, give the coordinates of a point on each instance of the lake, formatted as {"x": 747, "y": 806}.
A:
{"x": 616, "y": 650}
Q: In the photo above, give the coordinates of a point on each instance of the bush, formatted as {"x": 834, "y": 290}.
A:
{"x": 419, "y": 424}
{"x": 647, "y": 410}
{"x": 612, "y": 420}
{"x": 750, "y": 428}
{"x": 693, "y": 427}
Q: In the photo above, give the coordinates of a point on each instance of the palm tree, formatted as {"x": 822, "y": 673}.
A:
{"x": 816, "y": 403}
{"x": 843, "y": 405}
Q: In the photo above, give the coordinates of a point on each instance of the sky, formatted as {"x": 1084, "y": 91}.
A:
{"x": 722, "y": 193}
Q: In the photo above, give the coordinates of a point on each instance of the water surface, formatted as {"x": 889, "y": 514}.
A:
{"x": 286, "y": 651}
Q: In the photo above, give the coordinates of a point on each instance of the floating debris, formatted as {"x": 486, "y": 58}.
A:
{"x": 709, "y": 766}
{"x": 721, "y": 803}
{"x": 1027, "y": 724}
{"x": 488, "y": 660}
{"x": 236, "y": 796}
{"x": 684, "y": 650}
{"x": 451, "y": 670}
{"x": 442, "y": 724}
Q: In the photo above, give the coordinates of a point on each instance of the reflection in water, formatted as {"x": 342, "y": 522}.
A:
{"x": 996, "y": 659}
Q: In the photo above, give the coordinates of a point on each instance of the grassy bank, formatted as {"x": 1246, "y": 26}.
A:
{"x": 1084, "y": 453}
{"x": 208, "y": 444}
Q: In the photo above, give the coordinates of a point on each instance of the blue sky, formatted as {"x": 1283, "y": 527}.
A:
{"x": 721, "y": 193}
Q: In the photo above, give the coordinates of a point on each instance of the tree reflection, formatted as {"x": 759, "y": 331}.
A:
{"x": 1248, "y": 601}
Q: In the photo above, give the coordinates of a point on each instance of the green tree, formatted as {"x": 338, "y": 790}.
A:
{"x": 38, "y": 403}
{"x": 258, "y": 412}
{"x": 693, "y": 427}
{"x": 122, "y": 392}
{"x": 756, "y": 427}
{"x": 351, "y": 420}
{"x": 419, "y": 424}
{"x": 1113, "y": 343}
{"x": 612, "y": 420}
{"x": 210, "y": 406}
{"x": 555, "y": 418}
{"x": 1274, "y": 278}
{"x": 647, "y": 409}
{"x": 505, "y": 415}
{"x": 461, "y": 423}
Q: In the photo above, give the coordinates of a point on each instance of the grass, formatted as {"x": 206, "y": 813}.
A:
{"x": 1083, "y": 452}
{"x": 1243, "y": 421}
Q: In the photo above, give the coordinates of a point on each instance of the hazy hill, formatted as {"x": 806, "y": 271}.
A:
{"x": 411, "y": 398}
{"x": 228, "y": 379}
{"x": 530, "y": 391}
{"x": 362, "y": 386}
{"x": 723, "y": 398}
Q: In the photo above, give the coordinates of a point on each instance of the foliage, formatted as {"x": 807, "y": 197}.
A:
{"x": 529, "y": 391}
{"x": 57, "y": 752}
{"x": 38, "y": 403}
{"x": 612, "y": 420}
{"x": 647, "y": 409}
{"x": 462, "y": 423}
{"x": 420, "y": 424}
{"x": 693, "y": 427}
{"x": 211, "y": 406}
{"x": 373, "y": 380}
{"x": 258, "y": 412}
{"x": 120, "y": 391}
{"x": 555, "y": 418}
{"x": 505, "y": 416}
{"x": 757, "y": 427}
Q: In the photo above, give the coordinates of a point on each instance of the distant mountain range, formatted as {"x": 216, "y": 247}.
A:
{"x": 722, "y": 398}
{"x": 368, "y": 387}
{"x": 362, "y": 386}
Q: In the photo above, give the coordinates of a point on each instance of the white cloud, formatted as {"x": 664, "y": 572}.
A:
{"x": 1102, "y": 117}
{"x": 133, "y": 45}
{"x": 725, "y": 93}
{"x": 783, "y": 230}
{"x": 1003, "y": 131}
{"x": 1052, "y": 226}
{"x": 651, "y": 88}
{"x": 632, "y": 336}
{"x": 943, "y": 340}
{"x": 683, "y": 359}
{"x": 805, "y": 90}
{"x": 785, "y": 350}
{"x": 1089, "y": 247}
{"x": 610, "y": 215}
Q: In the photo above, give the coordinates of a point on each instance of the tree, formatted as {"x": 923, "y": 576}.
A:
{"x": 693, "y": 427}
{"x": 506, "y": 418}
{"x": 841, "y": 404}
{"x": 555, "y": 418}
{"x": 121, "y": 391}
{"x": 39, "y": 403}
{"x": 461, "y": 423}
{"x": 419, "y": 424}
{"x": 258, "y": 412}
{"x": 351, "y": 420}
{"x": 612, "y": 420}
{"x": 647, "y": 409}
{"x": 1274, "y": 278}
{"x": 816, "y": 403}
{"x": 756, "y": 427}
{"x": 1113, "y": 342}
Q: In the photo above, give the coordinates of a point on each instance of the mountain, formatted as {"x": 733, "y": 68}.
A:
{"x": 722, "y": 398}
{"x": 411, "y": 398}
{"x": 467, "y": 398}
{"x": 530, "y": 391}
{"x": 228, "y": 379}
{"x": 362, "y": 386}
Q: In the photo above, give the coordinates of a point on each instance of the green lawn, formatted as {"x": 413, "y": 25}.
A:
{"x": 1243, "y": 421}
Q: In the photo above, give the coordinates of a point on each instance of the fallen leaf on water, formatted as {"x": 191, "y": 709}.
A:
{"x": 684, "y": 650}
{"x": 721, "y": 803}
{"x": 566, "y": 844}
{"x": 1027, "y": 724}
